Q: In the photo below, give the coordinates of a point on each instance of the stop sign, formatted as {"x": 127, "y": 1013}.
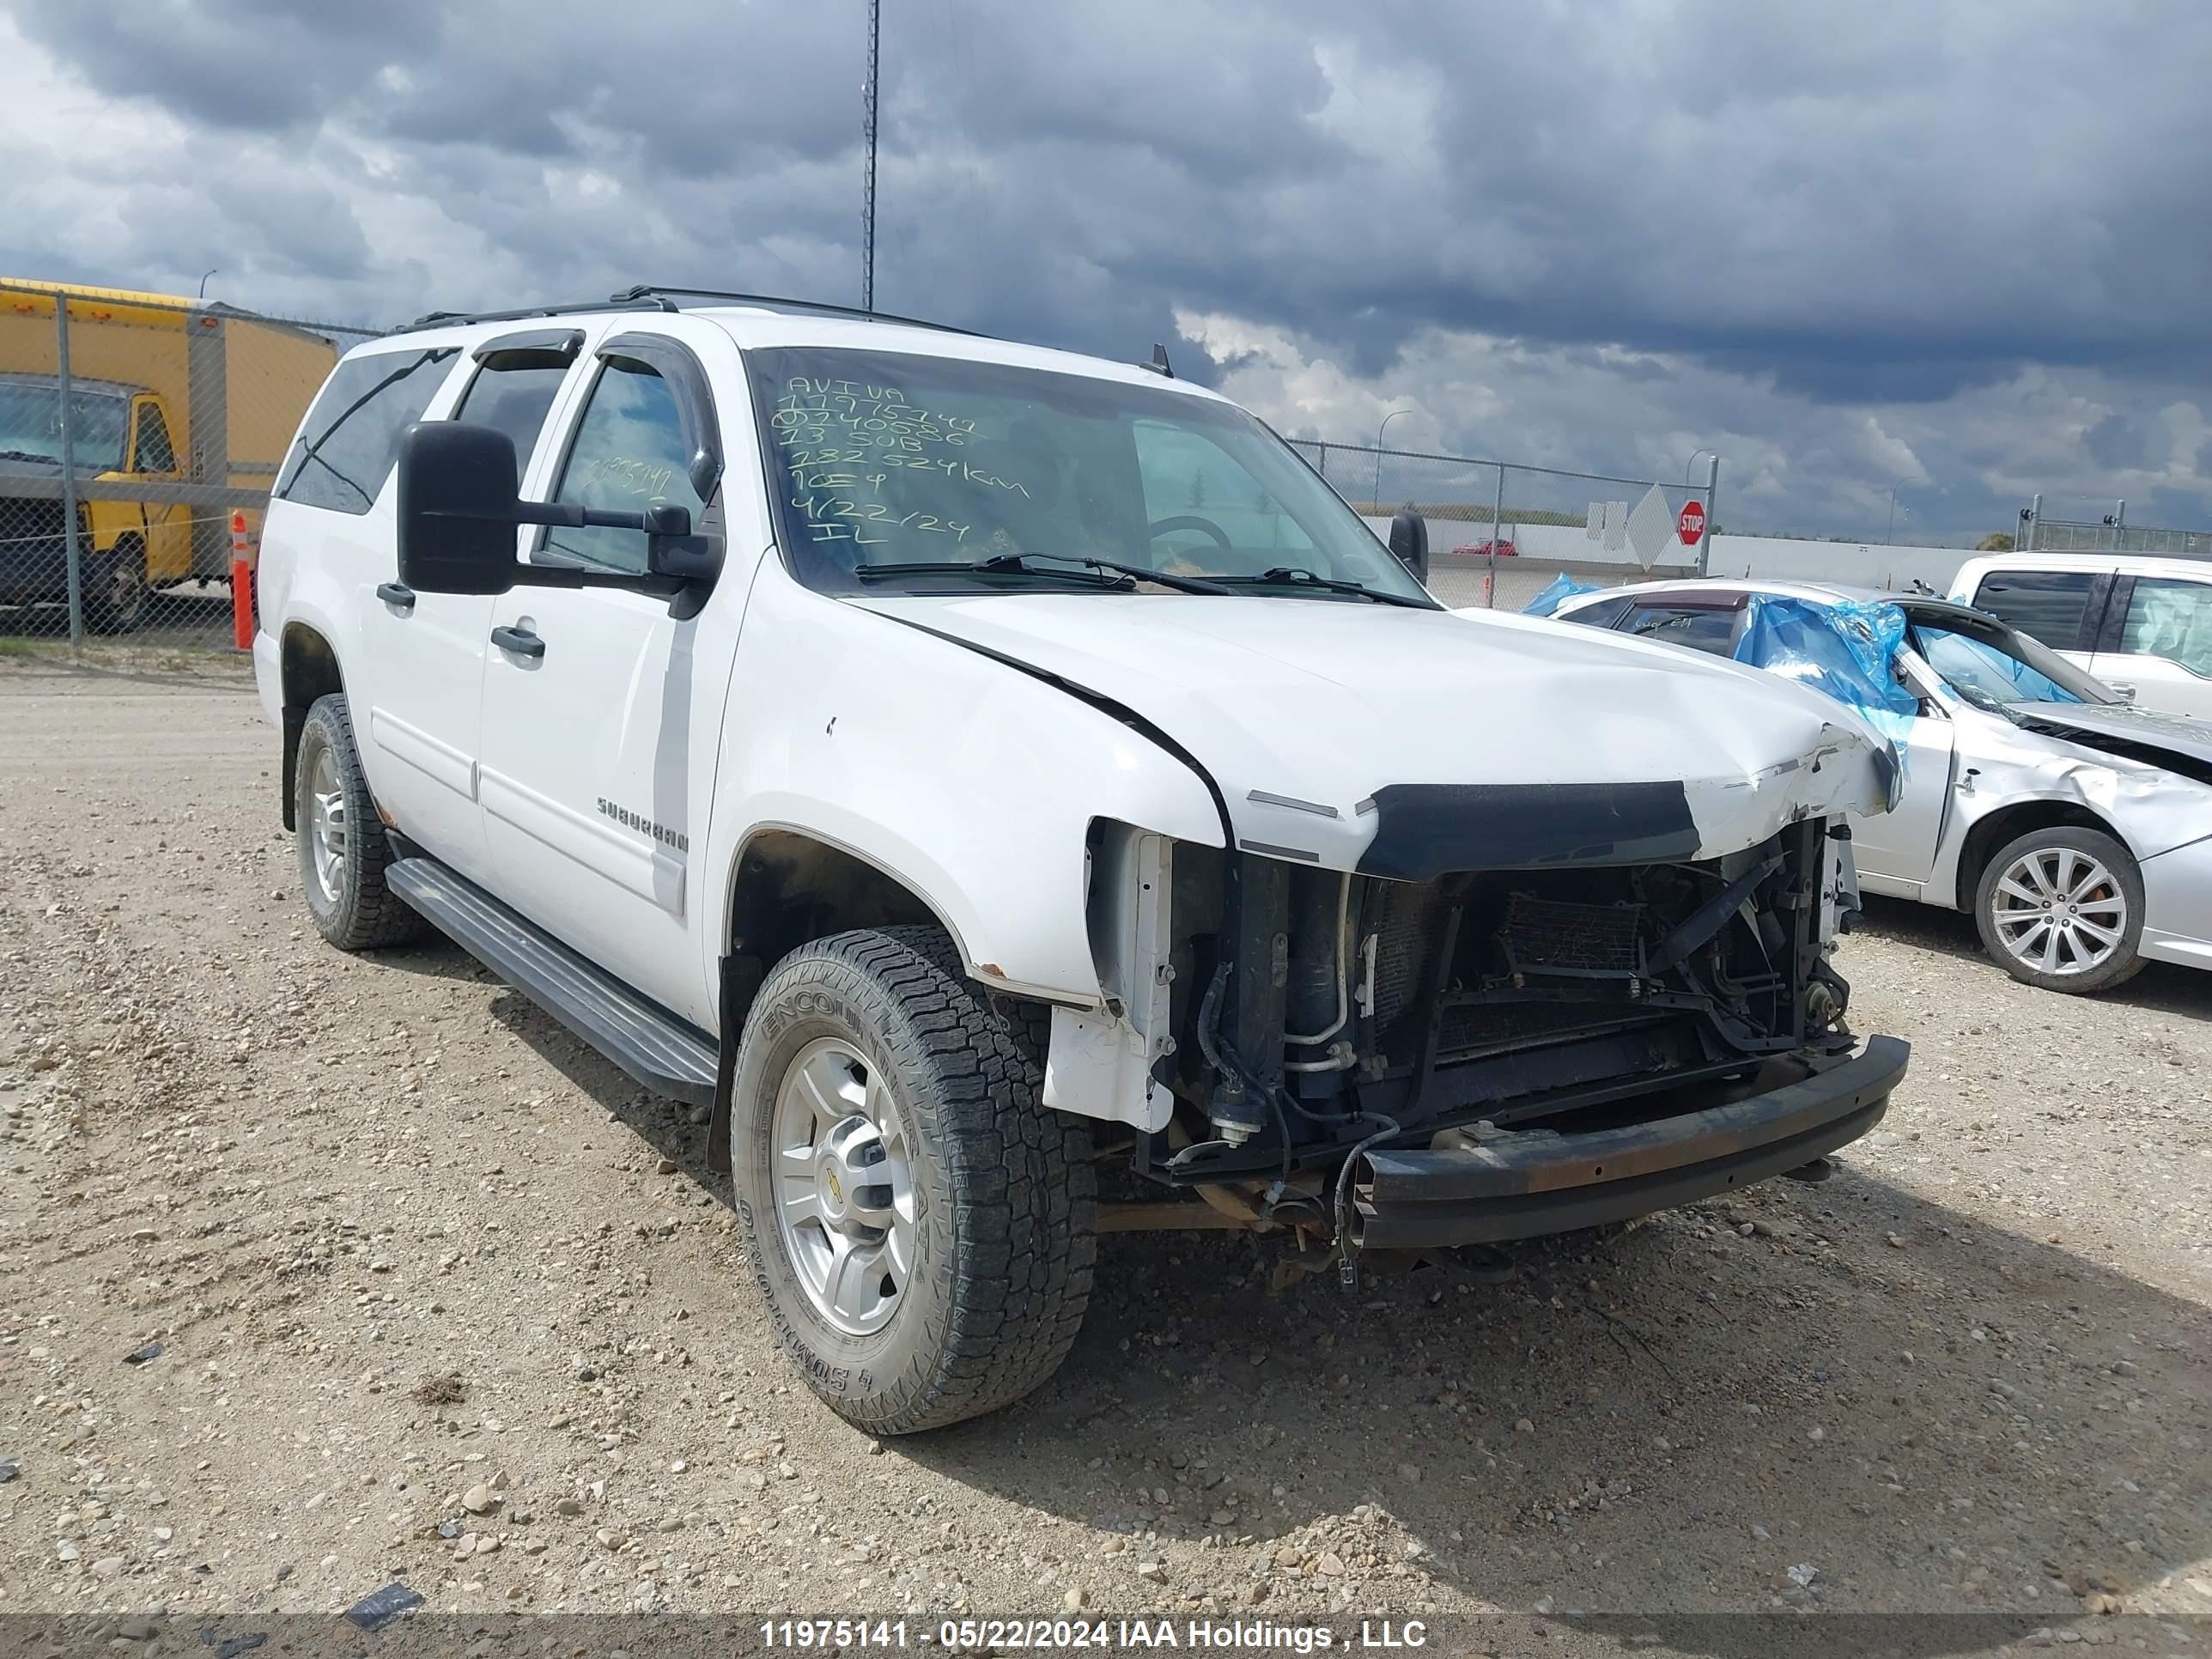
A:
{"x": 1692, "y": 522}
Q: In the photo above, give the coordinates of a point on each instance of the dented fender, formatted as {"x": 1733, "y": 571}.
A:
{"x": 2150, "y": 810}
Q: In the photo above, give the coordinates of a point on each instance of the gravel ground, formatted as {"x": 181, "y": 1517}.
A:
{"x": 317, "y": 1272}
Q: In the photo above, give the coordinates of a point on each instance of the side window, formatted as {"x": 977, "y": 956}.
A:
{"x": 345, "y": 452}
{"x": 629, "y": 454}
{"x": 2050, "y": 605}
{"x": 2170, "y": 619}
{"x": 151, "y": 445}
{"x": 1700, "y": 627}
{"x": 515, "y": 401}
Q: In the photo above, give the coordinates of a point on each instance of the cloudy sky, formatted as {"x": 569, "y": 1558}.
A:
{"x": 1961, "y": 249}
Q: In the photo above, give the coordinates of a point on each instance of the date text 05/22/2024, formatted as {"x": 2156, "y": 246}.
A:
{"x": 1099, "y": 1635}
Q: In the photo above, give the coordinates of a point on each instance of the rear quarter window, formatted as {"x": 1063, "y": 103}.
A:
{"x": 345, "y": 452}
{"x": 1600, "y": 613}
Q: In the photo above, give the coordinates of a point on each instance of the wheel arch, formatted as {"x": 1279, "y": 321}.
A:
{"x": 788, "y": 885}
{"x": 307, "y": 669}
{"x": 2007, "y": 825}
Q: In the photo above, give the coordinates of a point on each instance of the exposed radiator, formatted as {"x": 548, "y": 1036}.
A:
{"x": 1599, "y": 940}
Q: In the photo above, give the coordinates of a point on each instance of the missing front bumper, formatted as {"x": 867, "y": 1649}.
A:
{"x": 1525, "y": 1185}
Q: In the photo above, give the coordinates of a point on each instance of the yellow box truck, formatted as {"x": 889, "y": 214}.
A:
{"x": 178, "y": 413}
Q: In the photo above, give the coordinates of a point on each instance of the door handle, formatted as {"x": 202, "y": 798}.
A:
{"x": 396, "y": 594}
{"x": 2127, "y": 692}
{"x": 519, "y": 640}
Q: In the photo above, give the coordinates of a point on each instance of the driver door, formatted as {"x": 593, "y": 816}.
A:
{"x": 602, "y": 707}
{"x": 168, "y": 524}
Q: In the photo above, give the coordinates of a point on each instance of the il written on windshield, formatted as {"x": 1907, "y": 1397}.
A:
{"x": 895, "y": 458}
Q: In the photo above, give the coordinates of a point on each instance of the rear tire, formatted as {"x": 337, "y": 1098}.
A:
{"x": 342, "y": 849}
{"x": 922, "y": 1227}
{"x": 2062, "y": 909}
{"x": 115, "y": 589}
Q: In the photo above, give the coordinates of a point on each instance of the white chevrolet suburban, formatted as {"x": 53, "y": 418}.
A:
{"x": 1023, "y": 801}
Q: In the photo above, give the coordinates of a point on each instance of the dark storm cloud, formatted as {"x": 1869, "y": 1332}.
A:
{"x": 1892, "y": 201}
{"x": 1888, "y": 205}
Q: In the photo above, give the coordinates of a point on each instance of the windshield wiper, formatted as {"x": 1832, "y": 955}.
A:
{"x": 28, "y": 455}
{"x": 1289, "y": 576}
{"x": 1019, "y": 563}
{"x": 1142, "y": 573}
{"x": 869, "y": 573}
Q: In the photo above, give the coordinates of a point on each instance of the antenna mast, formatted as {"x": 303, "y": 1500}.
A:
{"x": 868, "y": 192}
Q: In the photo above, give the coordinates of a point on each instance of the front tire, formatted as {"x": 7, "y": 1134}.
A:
{"x": 115, "y": 591}
{"x": 922, "y": 1227}
{"x": 342, "y": 845}
{"x": 2062, "y": 909}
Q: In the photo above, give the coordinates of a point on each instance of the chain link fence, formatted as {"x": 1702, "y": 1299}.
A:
{"x": 139, "y": 437}
{"x": 2042, "y": 530}
{"x": 1500, "y": 533}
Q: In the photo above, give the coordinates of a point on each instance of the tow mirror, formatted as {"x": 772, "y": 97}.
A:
{"x": 1409, "y": 542}
{"x": 672, "y": 551}
{"x": 457, "y": 508}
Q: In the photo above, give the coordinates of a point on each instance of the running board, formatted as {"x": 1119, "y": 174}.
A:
{"x": 668, "y": 1056}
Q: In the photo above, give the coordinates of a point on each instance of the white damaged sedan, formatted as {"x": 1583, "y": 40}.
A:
{"x": 2076, "y": 829}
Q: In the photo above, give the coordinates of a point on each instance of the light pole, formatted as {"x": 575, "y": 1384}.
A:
{"x": 1889, "y": 536}
{"x": 1379, "y": 431}
{"x": 214, "y": 271}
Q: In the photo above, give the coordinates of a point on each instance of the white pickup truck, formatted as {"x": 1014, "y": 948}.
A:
{"x": 2142, "y": 624}
{"x": 1023, "y": 801}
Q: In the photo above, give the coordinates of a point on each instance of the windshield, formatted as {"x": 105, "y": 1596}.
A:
{"x": 2004, "y": 671}
{"x": 31, "y": 426}
{"x": 903, "y": 461}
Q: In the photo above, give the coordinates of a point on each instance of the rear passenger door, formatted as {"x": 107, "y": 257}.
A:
{"x": 425, "y": 713}
{"x": 2062, "y": 608}
{"x": 2156, "y": 644}
{"x": 338, "y": 513}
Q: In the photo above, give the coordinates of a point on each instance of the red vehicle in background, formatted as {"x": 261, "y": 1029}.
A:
{"x": 1486, "y": 549}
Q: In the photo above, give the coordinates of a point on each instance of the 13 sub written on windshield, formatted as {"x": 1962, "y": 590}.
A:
{"x": 848, "y": 445}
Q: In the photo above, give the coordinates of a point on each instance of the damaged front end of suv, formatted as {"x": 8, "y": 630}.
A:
{"x": 1526, "y": 1007}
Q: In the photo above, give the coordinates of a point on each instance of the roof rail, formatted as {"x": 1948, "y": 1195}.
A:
{"x": 632, "y": 301}
{"x": 647, "y": 290}
{"x": 653, "y": 297}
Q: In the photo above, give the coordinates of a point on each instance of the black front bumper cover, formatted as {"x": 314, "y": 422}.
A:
{"x": 1523, "y": 1185}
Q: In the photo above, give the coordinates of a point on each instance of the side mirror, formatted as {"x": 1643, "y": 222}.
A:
{"x": 1409, "y": 542}
{"x": 458, "y": 509}
{"x": 671, "y": 550}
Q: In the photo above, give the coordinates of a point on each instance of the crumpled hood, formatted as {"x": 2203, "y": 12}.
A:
{"x": 1406, "y": 743}
{"x": 2145, "y": 734}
